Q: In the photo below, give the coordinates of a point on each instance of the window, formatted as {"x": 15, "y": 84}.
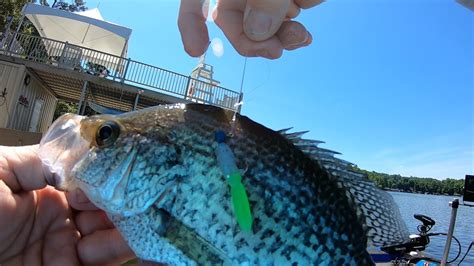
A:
{"x": 35, "y": 116}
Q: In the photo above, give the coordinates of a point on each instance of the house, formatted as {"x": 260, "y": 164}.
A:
{"x": 79, "y": 57}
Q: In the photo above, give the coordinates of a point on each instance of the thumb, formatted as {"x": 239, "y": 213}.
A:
{"x": 79, "y": 201}
{"x": 21, "y": 168}
{"x": 263, "y": 18}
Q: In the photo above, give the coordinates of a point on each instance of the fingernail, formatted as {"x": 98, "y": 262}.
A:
{"x": 263, "y": 53}
{"x": 80, "y": 197}
{"x": 309, "y": 40}
{"x": 274, "y": 54}
{"x": 299, "y": 43}
{"x": 257, "y": 23}
{"x": 306, "y": 38}
{"x": 49, "y": 176}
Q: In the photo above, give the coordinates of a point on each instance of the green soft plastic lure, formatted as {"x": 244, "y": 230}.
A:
{"x": 240, "y": 201}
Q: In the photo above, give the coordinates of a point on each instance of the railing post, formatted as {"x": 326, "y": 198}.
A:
{"x": 9, "y": 44}
{"x": 125, "y": 70}
{"x": 137, "y": 97}
{"x": 16, "y": 32}
{"x": 187, "y": 88}
{"x": 241, "y": 98}
{"x": 117, "y": 68}
{"x": 454, "y": 205}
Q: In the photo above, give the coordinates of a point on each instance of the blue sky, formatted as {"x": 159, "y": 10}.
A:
{"x": 388, "y": 83}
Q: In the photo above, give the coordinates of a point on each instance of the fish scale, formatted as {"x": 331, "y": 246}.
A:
{"x": 282, "y": 203}
{"x": 172, "y": 203}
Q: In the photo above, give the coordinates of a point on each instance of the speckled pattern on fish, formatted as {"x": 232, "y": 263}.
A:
{"x": 160, "y": 183}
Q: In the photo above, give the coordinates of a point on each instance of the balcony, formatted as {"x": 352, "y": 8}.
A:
{"x": 116, "y": 82}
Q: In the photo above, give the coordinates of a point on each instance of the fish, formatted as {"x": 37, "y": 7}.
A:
{"x": 156, "y": 174}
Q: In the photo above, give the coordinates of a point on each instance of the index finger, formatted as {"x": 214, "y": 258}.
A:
{"x": 192, "y": 26}
{"x": 104, "y": 247}
{"x": 22, "y": 170}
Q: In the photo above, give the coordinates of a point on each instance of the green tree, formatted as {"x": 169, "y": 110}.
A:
{"x": 414, "y": 184}
{"x": 76, "y": 5}
{"x": 63, "y": 107}
{"x": 12, "y": 9}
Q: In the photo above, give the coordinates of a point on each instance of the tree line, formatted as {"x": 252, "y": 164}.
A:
{"x": 412, "y": 184}
{"x": 11, "y": 9}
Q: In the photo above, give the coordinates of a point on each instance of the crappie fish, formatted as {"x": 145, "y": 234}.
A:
{"x": 155, "y": 173}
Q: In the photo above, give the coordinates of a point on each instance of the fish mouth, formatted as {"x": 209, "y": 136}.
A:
{"x": 61, "y": 148}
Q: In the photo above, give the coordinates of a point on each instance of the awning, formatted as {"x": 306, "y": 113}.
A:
{"x": 87, "y": 29}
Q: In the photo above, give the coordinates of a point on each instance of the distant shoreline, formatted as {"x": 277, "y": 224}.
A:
{"x": 417, "y": 185}
{"x": 421, "y": 192}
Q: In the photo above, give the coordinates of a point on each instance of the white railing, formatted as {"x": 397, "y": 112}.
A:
{"x": 116, "y": 68}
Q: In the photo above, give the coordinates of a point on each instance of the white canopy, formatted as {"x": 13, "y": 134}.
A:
{"x": 86, "y": 29}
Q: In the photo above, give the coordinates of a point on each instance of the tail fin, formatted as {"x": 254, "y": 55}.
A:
{"x": 381, "y": 214}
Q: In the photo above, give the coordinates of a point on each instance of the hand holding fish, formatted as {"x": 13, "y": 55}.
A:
{"x": 38, "y": 225}
{"x": 254, "y": 27}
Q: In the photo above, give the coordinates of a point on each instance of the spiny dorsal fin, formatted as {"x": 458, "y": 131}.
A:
{"x": 381, "y": 214}
{"x": 310, "y": 142}
{"x": 283, "y": 131}
{"x": 295, "y": 135}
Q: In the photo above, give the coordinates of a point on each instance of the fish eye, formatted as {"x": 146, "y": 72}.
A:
{"x": 107, "y": 133}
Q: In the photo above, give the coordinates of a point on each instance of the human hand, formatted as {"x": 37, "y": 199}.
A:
{"x": 253, "y": 27}
{"x": 38, "y": 227}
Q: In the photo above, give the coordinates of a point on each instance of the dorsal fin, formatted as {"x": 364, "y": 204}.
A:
{"x": 283, "y": 131}
{"x": 381, "y": 214}
{"x": 310, "y": 142}
{"x": 295, "y": 135}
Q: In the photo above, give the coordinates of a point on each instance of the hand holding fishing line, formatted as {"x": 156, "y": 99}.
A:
{"x": 254, "y": 27}
{"x": 38, "y": 225}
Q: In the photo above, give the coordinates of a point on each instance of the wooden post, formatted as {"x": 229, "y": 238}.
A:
{"x": 82, "y": 103}
{"x": 137, "y": 96}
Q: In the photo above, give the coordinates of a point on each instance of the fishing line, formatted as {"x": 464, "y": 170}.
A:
{"x": 265, "y": 80}
{"x": 228, "y": 166}
{"x": 248, "y": 95}
{"x": 241, "y": 102}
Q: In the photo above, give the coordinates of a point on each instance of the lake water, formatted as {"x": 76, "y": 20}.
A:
{"x": 437, "y": 207}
